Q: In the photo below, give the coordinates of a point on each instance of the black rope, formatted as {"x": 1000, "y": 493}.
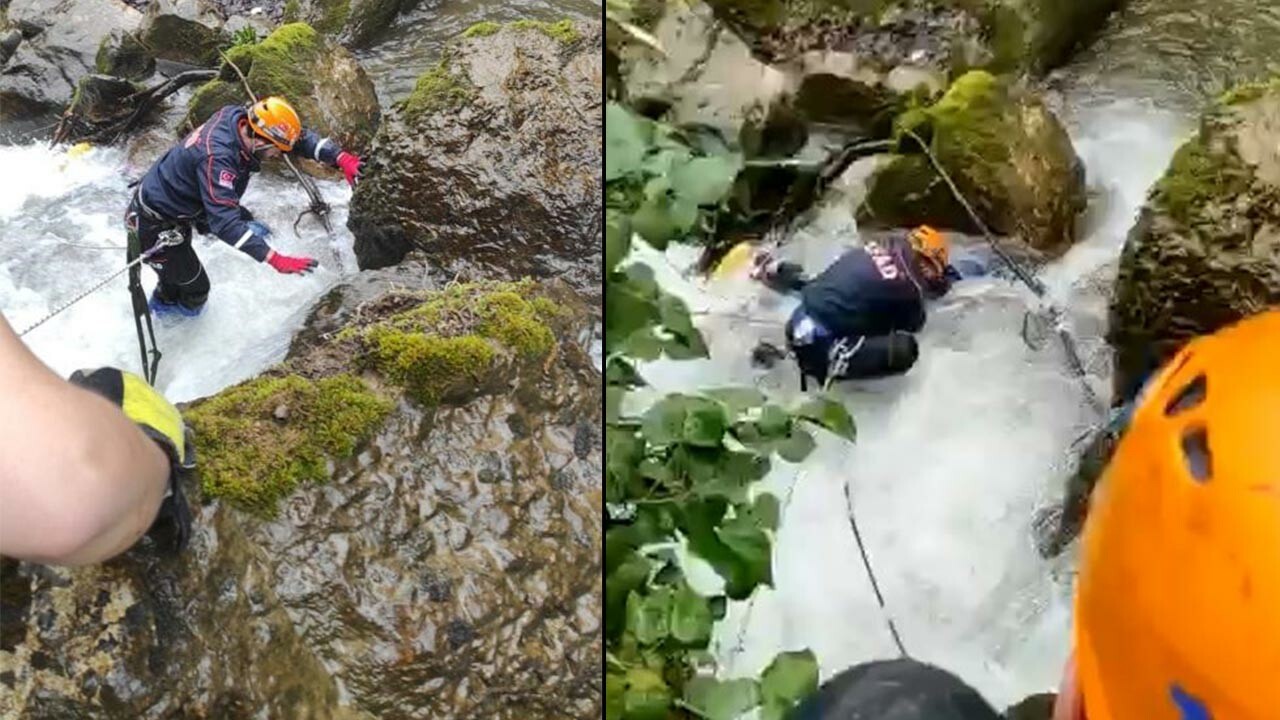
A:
{"x": 1055, "y": 315}
{"x": 866, "y": 562}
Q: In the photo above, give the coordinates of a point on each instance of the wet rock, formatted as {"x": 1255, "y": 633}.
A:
{"x": 101, "y": 99}
{"x": 123, "y": 55}
{"x": 1033, "y": 707}
{"x": 341, "y": 606}
{"x": 9, "y": 40}
{"x": 184, "y": 31}
{"x": 1008, "y": 154}
{"x": 354, "y": 23}
{"x": 322, "y": 80}
{"x": 1002, "y": 35}
{"x": 1205, "y": 251}
{"x": 60, "y": 45}
{"x": 507, "y": 128}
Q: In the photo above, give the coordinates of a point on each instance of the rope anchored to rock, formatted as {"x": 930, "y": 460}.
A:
{"x": 1053, "y": 315}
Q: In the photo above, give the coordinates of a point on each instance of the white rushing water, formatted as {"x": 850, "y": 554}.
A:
{"x": 952, "y": 460}
{"x": 61, "y": 231}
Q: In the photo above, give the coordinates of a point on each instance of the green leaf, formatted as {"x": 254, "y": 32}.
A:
{"x": 629, "y": 308}
{"x": 649, "y": 616}
{"x": 690, "y": 618}
{"x": 704, "y": 181}
{"x": 617, "y": 239}
{"x": 661, "y": 162}
{"x": 623, "y": 451}
{"x": 643, "y": 344}
{"x": 829, "y": 414}
{"x": 615, "y": 696}
{"x": 641, "y": 278}
{"x": 674, "y": 314}
{"x": 617, "y": 371}
{"x": 774, "y": 422}
{"x": 705, "y": 423}
{"x": 684, "y": 213}
{"x": 631, "y": 574}
{"x": 721, "y": 699}
{"x": 773, "y": 710}
{"x": 613, "y": 402}
{"x": 796, "y": 447}
{"x": 749, "y": 543}
{"x": 737, "y": 399}
{"x": 663, "y": 422}
{"x": 656, "y": 188}
{"x": 767, "y": 510}
{"x": 647, "y": 695}
{"x": 626, "y": 139}
{"x": 686, "y": 347}
{"x": 652, "y": 221}
{"x": 790, "y": 678}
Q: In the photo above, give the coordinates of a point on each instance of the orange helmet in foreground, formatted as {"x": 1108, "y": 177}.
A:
{"x": 931, "y": 245}
{"x": 1177, "y": 610}
{"x": 275, "y": 119}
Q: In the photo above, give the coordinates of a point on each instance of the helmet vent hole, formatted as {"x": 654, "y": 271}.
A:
{"x": 1195, "y": 452}
{"x": 1191, "y": 395}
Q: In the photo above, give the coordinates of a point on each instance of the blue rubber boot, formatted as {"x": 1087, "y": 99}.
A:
{"x": 162, "y": 309}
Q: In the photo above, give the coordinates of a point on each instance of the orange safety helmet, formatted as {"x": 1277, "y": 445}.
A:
{"x": 1177, "y": 610}
{"x": 275, "y": 119}
{"x": 931, "y": 245}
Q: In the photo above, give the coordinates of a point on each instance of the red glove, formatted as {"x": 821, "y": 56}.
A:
{"x": 289, "y": 265}
{"x": 350, "y": 164}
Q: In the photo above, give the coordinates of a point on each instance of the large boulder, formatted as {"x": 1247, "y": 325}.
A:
{"x": 322, "y": 79}
{"x": 184, "y": 31}
{"x": 355, "y": 23}
{"x": 1205, "y": 251}
{"x": 59, "y": 45}
{"x": 1000, "y": 35}
{"x": 446, "y": 564}
{"x": 1008, "y": 155}
{"x": 493, "y": 162}
{"x": 123, "y": 55}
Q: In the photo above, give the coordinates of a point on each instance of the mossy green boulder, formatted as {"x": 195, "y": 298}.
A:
{"x": 123, "y": 55}
{"x": 1205, "y": 251}
{"x": 1007, "y": 153}
{"x": 185, "y": 40}
{"x": 354, "y": 23}
{"x": 259, "y": 440}
{"x": 323, "y": 80}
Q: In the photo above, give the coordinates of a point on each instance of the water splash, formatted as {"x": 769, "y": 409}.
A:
{"x": 60, "y": 222}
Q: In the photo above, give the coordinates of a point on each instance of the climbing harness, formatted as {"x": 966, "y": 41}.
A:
{"x": 1054, "y": 315}
{"x": 161, "y": 243}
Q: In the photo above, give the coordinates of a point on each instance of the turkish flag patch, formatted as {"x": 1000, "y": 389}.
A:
{"x": 227, "y": 179}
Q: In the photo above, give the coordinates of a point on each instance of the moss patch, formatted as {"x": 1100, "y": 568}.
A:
{"x": 1197, "y": 177}
{"x": 259, "y": 440}
{"x": 333, "y": 16}
{"x": 450, "y": 343}
{"x": 482, "y": 29}
{"x": 292, "y": 12}
{"x": 563, "y": 31}
{"x": 438, "y": 89}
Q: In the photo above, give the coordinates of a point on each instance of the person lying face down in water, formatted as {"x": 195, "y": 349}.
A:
{"x": 858, "y": 318}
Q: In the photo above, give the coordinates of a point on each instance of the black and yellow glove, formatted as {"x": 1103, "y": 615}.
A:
{"x": 162, "y": 422}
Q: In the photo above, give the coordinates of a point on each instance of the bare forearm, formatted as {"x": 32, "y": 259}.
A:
{"x": 79, "y": 482}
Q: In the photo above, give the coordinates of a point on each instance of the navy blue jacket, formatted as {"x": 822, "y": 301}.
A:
{"x": 201, "y": 180}
{"x": 872, "y": 290}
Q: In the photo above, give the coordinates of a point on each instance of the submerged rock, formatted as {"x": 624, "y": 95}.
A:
{"x": 446, "y": 567}
{"x": 494, "y": 160}
{"x": 322, "y": 80}
{"x": 1205, "y": 251}
{"x": 1007, "y": 153}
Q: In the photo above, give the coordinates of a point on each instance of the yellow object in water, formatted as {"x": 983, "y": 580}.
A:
{"x": 735, "y": 260}
{"x": 79, "y": 149}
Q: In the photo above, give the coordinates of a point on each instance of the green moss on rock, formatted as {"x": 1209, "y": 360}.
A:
{"x": 563, "y": 31}
{"x": 439, "y": 88}
{"x": 292, "y": 12}
{"x": 259, "y": 440}
{"x": 482, "y": 29}
{"x": 1198, "y": 176}
{"x": 333, "y": 16}
{"x": 451, "y": 343}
